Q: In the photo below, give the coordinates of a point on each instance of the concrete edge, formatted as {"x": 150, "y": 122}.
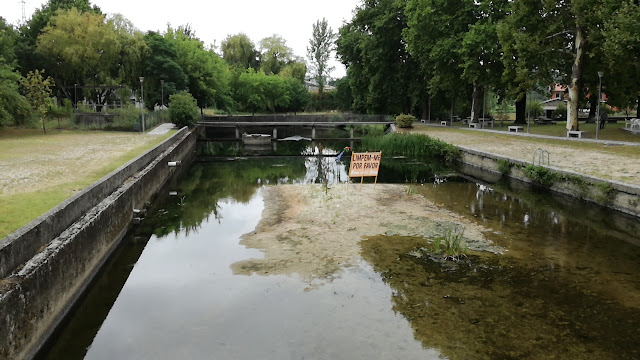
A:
{"x": 37, "y": 296}
{"x": 624, "y": 197}
{"x": 19, "y": 246}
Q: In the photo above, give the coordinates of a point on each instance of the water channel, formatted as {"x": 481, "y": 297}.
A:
{"x": 567, "y": 288}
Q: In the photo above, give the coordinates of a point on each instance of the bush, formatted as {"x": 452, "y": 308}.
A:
{"x": 405, "y": 121}
{"x": 183, "y": 109}
{"x": 561, "y": 111}
{"x": 127, "y": 118}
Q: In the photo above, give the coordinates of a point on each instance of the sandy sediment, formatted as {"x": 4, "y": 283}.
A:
{"x": 314, "y": 234}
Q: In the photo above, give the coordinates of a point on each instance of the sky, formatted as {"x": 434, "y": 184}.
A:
{"x": 213, "y": 20}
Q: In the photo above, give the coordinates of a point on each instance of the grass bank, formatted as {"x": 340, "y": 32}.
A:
{"x": 40, "y": 171}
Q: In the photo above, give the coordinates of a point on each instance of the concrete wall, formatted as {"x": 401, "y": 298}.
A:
{"x": 52, "y": 260}
{"x": 622, "y": 197}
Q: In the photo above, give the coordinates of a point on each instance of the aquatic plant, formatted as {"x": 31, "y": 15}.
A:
{"x": 541, "y": 175}
{"x": 450, "y": 244}
{"x": 504, "y": 166}
{"x": 416, "y": 146}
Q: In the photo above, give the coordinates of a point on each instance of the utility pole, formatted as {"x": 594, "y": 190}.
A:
{"x": 24, "y": 14}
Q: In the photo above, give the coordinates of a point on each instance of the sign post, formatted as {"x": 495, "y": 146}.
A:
{"x": 365, "y": 164}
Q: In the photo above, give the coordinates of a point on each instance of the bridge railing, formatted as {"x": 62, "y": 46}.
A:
{"x": 299, "y": 118}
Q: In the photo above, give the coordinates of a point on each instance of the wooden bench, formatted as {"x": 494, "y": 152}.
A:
{"x": 475, "y": 125}
{"x": 576, "y": 134}
{"x": 516, "y": 129}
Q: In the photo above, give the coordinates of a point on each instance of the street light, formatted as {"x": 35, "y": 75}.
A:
{"x": 142, "y": 99}
{"x": 75, "y": 98}
{"x": 162, "y": 96}
{"x": 600, "y": 75}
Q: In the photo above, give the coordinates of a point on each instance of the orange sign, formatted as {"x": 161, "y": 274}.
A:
{"x": 365, "y": 164}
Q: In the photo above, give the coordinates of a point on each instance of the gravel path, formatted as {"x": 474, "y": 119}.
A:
{"x": 600, "y": 162}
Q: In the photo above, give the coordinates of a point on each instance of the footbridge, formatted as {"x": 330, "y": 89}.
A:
{"x": 242, "y": 123}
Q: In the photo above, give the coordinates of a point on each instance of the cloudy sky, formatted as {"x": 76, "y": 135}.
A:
{"x": 213, "y": 20}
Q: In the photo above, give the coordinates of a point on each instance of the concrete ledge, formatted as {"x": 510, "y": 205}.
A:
{"x": 21, "y": 245}
{"x": 38, "y": 294}
{"x": 622, "y": 197}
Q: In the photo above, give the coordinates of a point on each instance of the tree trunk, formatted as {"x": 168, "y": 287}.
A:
{"x": 593, "y": 108}
{"x": 521, "y": 110}
{"x": 476, "y": 103}
{"x": 574, "y": 87}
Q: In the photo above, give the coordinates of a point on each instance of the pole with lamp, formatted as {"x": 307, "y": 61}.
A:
{"x": 75, "y": 98}
{"x": 600, "y": 75}
{"x": 142, "y": 99}
{"x": 162, "y": 94}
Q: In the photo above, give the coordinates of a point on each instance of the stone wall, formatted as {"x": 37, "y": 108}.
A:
{"x": 621, "y": 197}
{"x": 50, "y": 261}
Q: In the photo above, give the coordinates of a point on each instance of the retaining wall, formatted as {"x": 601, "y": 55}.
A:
{"x": 46, "y": 265}
{"x": 612, "y": 194}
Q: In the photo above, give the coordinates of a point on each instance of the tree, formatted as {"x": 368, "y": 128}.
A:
{"x": 275, "y": 54}
{"x": 26, "y": 50}
{"x": 84, "y": 49}
{"x": 319, "y": 52}
{"x": 296, "y": 70}
{"x": 298, "y": 95}
{"x": 183, "y": 109}
{"x": 238, "y": 50}
{"x": 621, "y": 33}
{"x": 13, "y": 107}
{"x": 37, "y": 90}
{"x": 208, "y": 74}
{"x": 161, "y": 64}
{"x": 384, "y": 76}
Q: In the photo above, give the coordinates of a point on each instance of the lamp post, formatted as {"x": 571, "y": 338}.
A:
{"x": 529, "y": 116}
{"x": 142, "y": 99}
{"x": 162, "y": 94}
{"x": 75, "y": 98}
{"x": 600, "y": 75}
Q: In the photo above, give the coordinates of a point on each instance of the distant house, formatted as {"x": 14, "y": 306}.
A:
{"x": 312, "y": 85}
{"x": 559, "y": 91}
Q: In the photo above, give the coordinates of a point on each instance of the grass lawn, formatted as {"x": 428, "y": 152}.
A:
{"x": 37, "y": 171}
{"x": 610, "y": 132}
{"x": 578, "y": 145}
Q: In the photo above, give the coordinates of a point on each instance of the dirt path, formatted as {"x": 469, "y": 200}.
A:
{"x": 314, "y": 234}
{"x": 599, "y": 161}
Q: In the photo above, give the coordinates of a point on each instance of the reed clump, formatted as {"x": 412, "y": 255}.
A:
{"x": 417, "y": 146}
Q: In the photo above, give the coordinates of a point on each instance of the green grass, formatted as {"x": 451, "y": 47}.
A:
{"x": 20, "y": 208}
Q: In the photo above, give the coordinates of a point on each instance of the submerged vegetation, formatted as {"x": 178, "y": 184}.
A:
{"x": 415, "y": 146}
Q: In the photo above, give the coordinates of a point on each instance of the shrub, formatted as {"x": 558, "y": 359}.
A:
{"x": 127, "y": 119}
{"x": 183, "y": 109}
{"x": 405, "y": 121}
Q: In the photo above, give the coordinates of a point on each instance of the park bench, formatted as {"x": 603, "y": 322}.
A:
{"x": 576, "y": 134}
{"x": 475, "y": 125}
{"x": 515, "y": 128}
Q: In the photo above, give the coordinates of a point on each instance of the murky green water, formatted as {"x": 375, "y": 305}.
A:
{"x": 566, "y": 289}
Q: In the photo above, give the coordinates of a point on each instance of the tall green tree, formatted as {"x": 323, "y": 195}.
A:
{"x": 275, "y": 54}
{"x": 207, "y": 72}
{"x": 621, "y": 34}
{"x": 37, "y": 90}
{"x": 319, "y": 51}
{"x": 238, "y": 50}
{"x": 86, "y": 49}
{"x": 13, "y": 106}
{"x": 384, "y": 77}
{"x": 26, "y": 51}
{"x": 163, "y": 76}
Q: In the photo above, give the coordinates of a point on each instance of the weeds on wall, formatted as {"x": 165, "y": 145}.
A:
{"x": 504, "y": 166}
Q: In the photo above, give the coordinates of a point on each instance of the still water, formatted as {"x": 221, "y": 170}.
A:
{"x": 566, "y": 289}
